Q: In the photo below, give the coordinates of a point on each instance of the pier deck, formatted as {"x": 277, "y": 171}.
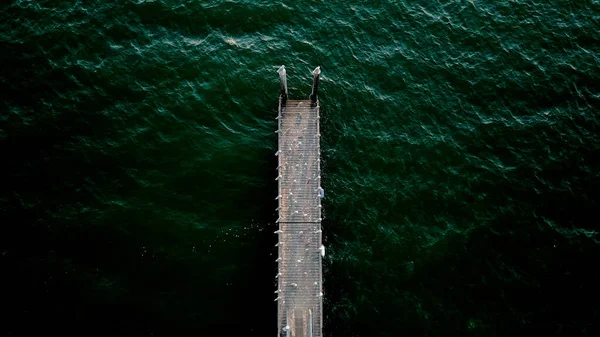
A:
{"x": 300, "y": 292}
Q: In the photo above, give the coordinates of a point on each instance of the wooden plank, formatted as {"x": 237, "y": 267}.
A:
{"x": 300, "y": 289}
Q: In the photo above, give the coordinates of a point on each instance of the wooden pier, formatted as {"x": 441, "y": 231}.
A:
{"x": 300, "y": 291}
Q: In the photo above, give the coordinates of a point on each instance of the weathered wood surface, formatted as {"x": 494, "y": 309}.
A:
{"x": 300, "y": 292}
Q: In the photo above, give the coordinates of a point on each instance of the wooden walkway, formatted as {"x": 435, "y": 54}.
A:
{"x": 300, "y": 292}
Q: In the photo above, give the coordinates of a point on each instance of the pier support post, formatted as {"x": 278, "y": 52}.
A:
{"x": 283, "y": 83}
{"x": 315, "y": 89}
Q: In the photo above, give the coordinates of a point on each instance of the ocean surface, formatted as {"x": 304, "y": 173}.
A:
{"x": 460, "y": 148}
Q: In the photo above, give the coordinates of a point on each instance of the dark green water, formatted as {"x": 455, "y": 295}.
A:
{"x": 461, "y": 160}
